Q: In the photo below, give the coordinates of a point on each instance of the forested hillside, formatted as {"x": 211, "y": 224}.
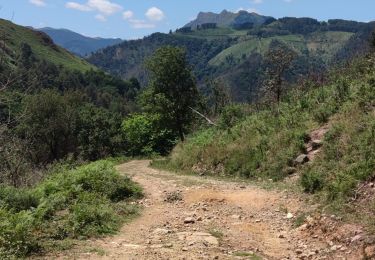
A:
{"x": 54, "y": 105}
{"x": 235, "y": 54}
{"x": 77, "y": 43}
{"x": 13, "y": 37}
{"x": 269, "y": 123}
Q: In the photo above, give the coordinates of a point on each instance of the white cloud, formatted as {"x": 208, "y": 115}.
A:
{"x": 127, "y": 15}
{"x": 141, "y": 24}
{"x": 77, "y": 6}
{"x": 257, "y": 1}
{"x": 155, "y": 14}
{"x": 288, "y": 1}
{"x": 37, "y": 2}
{"x": 104, "y": 7}
{"x": 101, "y": 18}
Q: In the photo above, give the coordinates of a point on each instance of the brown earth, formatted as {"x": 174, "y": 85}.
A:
{"x": 191, "y": 217}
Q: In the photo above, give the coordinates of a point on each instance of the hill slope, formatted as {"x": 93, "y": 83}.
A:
{"x": 77, "y": 43}
{"x": 332, "y": 125}
{"x": 235, "y": 56}
{"x": 14, "y": 36}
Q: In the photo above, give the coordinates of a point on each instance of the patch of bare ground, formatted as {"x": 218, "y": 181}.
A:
{"x": 212, "y": 219}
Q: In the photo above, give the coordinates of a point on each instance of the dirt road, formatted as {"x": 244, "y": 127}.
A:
{"x": 189, "y": 217}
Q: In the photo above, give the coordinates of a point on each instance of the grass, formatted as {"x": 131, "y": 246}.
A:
{"x": 265, "y": 142}
{"x": 71, "y": 204}
{"x": 216, "y": 233}
{"x": 322, "y": 44}
{"x": 43, "y": 49}
{"x": 250, "y": 255}
{"x": 212, "y": 34}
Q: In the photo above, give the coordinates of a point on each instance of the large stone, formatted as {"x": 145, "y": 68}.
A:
{"x": 198, "y": 237}
{"x": 189, "y": 220}
{"x": 161, "y": 231}
{"x": 301, "y": 159}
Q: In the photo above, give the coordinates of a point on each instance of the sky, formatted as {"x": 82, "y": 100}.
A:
{"x": 132, "y": 19}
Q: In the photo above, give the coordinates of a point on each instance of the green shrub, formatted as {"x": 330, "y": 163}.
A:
{"x": 312, "y": 181}
{"x": 322, "y": 114}
{"x": 89, "y": 200}
{"x": 231, "y": 115}
{"x": 92, "y": 215}
{"x": 17, "y": 238}
{"x": 17, "y": 199}
{"x": 145, "y": 135}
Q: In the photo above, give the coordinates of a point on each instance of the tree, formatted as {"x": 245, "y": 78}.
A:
{"x": 49, "y": 124}
{"x": 145, "y": 136}
{"x": 218, "y": 95}
{"x": 98, "y": 133}
{"x": 372, "y": 41}
{"x": 278, "y": 60}
{"x": 172, "y": 90}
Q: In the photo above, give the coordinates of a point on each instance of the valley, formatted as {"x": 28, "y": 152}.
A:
{"x": 235, "y": 136}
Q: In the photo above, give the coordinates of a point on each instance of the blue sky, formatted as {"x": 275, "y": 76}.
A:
{"x": 129, "y": 19}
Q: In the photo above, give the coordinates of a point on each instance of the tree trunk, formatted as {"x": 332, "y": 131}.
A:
{"x": 181, "y": 133}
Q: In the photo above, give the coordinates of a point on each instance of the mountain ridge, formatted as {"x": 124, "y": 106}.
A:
{"x": 228, "y": 19}
{"x": 77, "y": 43}
{"x": 43, "y": 47}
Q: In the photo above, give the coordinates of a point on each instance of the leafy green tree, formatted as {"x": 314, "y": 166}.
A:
{"x": 99, "y": 133}
{"x": 144, "y": 135}
{"x": 172, "y": 91}
{"x": 49, "y": 124}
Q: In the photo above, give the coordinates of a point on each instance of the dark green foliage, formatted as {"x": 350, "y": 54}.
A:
{"x": 91, "y": 215}
{"x": 299, "y": 25}
{"x": 312, "y": 181}
{"x": 172, "y": 92}
{"x": 99, "y": 133}
{"x": 49, "y": 124}
{"x": 17, "y": 239}
{"x": 145, "y": 135}
{"x": 71, "y": 203}
{"x": 232, "y": 115}
{"x": 16, "y": 200}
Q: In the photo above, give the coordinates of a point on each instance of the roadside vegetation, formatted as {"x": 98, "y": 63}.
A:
{"x": 262, "y": 141}
{"x": 87, "y": 201}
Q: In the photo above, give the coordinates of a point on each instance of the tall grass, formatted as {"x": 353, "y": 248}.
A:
{"x": 265, "y": 143}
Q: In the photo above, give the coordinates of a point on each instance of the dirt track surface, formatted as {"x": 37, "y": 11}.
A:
{"x": 211, "y": 219}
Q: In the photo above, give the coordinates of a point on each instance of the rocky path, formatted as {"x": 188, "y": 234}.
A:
{"x": 188, "y": 217}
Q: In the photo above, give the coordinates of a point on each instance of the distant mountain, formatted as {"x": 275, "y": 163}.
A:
{"x": 77, "y": 43}
{"x": 14, "y": 38}
{"x": 231, "y": 47}
{"x": 229, "y": 19}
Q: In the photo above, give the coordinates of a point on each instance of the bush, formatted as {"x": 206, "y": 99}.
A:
{"x": 312, "y": 181}
{"x": 17, "y": 237}
{"x": 145, "y": 135}
{"x": 71, "y": 203}
{"x": 92, "y": 215}
{"x": 99, "y": 177}
{"x": 231, "y": 115}
{"x": 17, "y": 200}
